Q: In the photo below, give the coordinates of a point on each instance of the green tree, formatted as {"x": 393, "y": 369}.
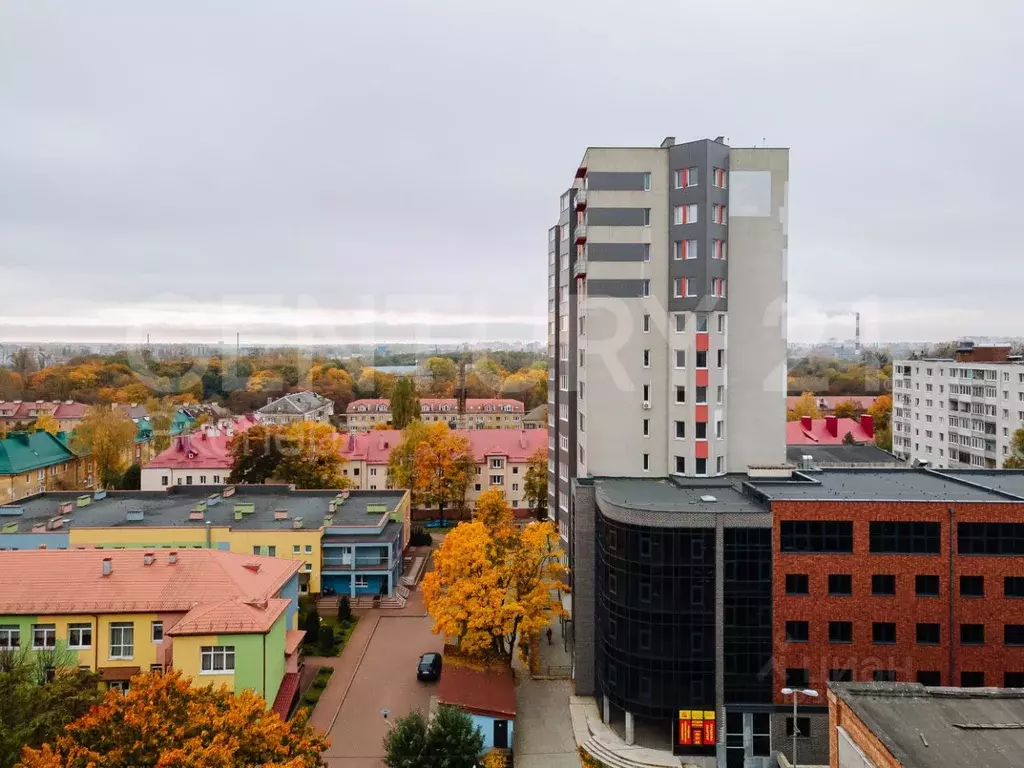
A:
{"x": 131, "y": 480}
{"x": 451, "y": 740}
{"x": 312, "y": 626}
{"x": 311, "y": 456}
{"x": 535, "y": 484}
{"x": 256, "y": 454}
{"x": 848, "y": 439}
{"x": 401, "y": 462}
{"x": 405, "y": 404}
{"x": 848, "y": 409}
{"x": 36, "y": 710}
{"x": 1016, "y": 458}
{"x": 108, "y": 435}
{"x": 438, "y": 376}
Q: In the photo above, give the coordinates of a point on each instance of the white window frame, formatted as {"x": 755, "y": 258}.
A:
{"x": 49, "y": 634}
{"x": 154, "y": 626}
{"x": 210, "y": 655}
{"x": 76, "y": 635}
{"x": 10, "y": 636}
{"x": 122, "y": 630}
{"x": 647, "y": 181}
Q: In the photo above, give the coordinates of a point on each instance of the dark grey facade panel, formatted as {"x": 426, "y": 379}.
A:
{"x": 618, "y": 181}
{"x": 617, "y": 251}
{"x": 618, "y": 289}
{"x": 617, "y": 217}
{"x": 706, "y": 303}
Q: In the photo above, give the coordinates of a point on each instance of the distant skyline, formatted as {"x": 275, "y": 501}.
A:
{"x": 323, "y": 170}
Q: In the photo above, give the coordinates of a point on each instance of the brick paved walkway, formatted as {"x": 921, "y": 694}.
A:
{"x": 345, "y": 666}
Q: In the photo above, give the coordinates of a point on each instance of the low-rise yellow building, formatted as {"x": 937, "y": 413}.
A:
{"x": 217, "y": 616}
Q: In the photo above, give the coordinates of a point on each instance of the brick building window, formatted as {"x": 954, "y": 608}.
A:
{"x": 797, "y": 584}
{"x": 928, "y": 634}
{"x": 972, "y": 634}
{"x": 1013, "y": 634}
{"x": 840, "y": 675}
{"x": 840, "y": 631}
{"x": 990, "y": 538}
{"x": 930, "y": 678}
{"x": 905, "y": 538}
{"x": 972, "y": 679}
{"x": 818, "y": 536}
{"x": 797, "y": 632}
{"x": 926, "y": 586}
{"x": 1013, "y": 680}
{"x": 884, "y": 675}
{"x": 883, "y": 633}
{"x": 798, "y": 677}
{"x": 972, "y": 586}
{"x": 803, "y": 727}
{"x": 883, "y": 585}
{"x": 1013, "y": 586}
{"x": 840, "y": 584}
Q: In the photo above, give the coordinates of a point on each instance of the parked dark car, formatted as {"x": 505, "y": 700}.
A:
{"x": 429, "y": 667}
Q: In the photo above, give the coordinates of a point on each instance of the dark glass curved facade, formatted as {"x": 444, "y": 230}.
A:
{"x": 655, "y": 617}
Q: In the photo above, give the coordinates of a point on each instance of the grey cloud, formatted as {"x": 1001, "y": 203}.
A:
{"x": 355, "y": 151}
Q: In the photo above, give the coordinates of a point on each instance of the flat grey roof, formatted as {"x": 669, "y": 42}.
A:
{"x": 682, "y": 496}
{"x": 171, "y": 508}
{"x": 854, "y": 484}
{"x": 941, "y": 727}
{"x": 391, "y": 530}
{"x": 1005, "y": 480}
{"x": 840, "y": 454}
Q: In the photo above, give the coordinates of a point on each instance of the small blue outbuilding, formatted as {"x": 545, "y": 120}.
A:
{"x": 488, "y": 696}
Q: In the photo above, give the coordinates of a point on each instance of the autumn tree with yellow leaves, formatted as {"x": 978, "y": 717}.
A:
{"x": 45, "y": 422}
{"x": 442, "y": 466}
{"x": 494, "y": 584}
{"x": 108, "y": 435}
{"x": 311, "y": 457}
{"x": 806, "y": 405}
{"x": 163, "y": 720}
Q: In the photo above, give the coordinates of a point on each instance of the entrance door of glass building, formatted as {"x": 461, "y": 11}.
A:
{"x": 747, "y": 734}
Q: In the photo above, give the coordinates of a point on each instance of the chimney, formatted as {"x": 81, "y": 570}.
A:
{"x": 807, "y": 423}
{"x": 832, "y": 425}
{"x": 172, "y": 558}
{"x": 867, "y": 423}
{"x": 108, "y": 566}
{"x": 147, "y": 559}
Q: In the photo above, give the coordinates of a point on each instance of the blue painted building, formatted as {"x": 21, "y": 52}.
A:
{"x": 488, "y": 696}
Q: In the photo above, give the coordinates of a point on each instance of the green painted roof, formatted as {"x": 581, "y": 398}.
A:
{"x": 181, "y": 422}
{"x": 23, "y": 452}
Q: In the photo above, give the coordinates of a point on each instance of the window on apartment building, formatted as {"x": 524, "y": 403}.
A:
{"x": 157, "y": 632}
{"x": 929, "y": 678}
{"x": 721, "y": 394}
{"x": 702, "y": 392}
{"x": 476, "y": 487}
{"x": 701, "y": 430}
{"x": 647, "y": 358}
{"x": 216, "y": 479}
{"x": 679, "y": 287}
{"x": 897, "y": 537}
{"x": 497, "y": 479}
{"x": 680, "y": 321}
{"x": 972, "y": 679}
{"x": 825, "y": 536}
{"x": 883, "y": 633}
{"x": 647, "y": 427}
{"x": 721, "y": 358}
{"x": 719, "y": 249}
{"x": 797, "y": 632}
{"x": 798, "y": 584}
{"x": 79, "y": 636}
{"x": 647, "y": 217}
{"x": 563, "y": 442}
{"x": 1013, "y": 635}
{"x": 719, "y": 429}
{"x": 685, "y": 177}
{"x": 646, "y": 323}
{"x": 972, "y": 586}
{"x": 680, "y": 358}
{"x": 122, "y": 640}
{"x": 928, "y": 634}
{"x": 680, "y": 462}
{"x": 10, "y": 637}
{"x": 188, "y": 479}
{"x": 721, "y": 323}
{"x": 798, "y": 677}
{"x": 647, "y": 393}
{"x": 684, "y": 249}
{"x": 719, "y": 214}
{"x": 647, "y": 182}
{"x": 840, "y": 584}
{"x": 645, "y": 288}
{"x": 44, "y": 636}
{"x": 720, "y": 464}
{"x": 217, "y": 659}
{"x": 702, "y": 359}
{"x": 884, "y": 676}
{"x": 684, "y": 214}
{"x": 680, "y": 430}
{"x": 702, "y": 322}
{"x": 926, "y": 585}
{"x": 1013, "y": 586}
{"x": 582, "y": 422}
{"x": 972, "y": 634}
{"x": 883, "y": 585}
{"x": 701, "y": 467}
{"x": 163, "y": 480}
{"x": 840, "y": 631}
{"x": 680, "y": 394}
{"x": 718, "y": 287}
{"x": 646, "y": 462}
{"x": 720, "y": 178}
{"x": 999, "y": 539}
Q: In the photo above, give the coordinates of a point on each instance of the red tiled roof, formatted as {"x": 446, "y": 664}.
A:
{"x": 517, "y": 445}
{"x": 434, "y": 405}
{"x": 797, "y": 432}
{"x": 233, "y": 617}
{"x": 484, "y": 692}
{"x": 829, "y": 402}
{"x": 286, "y": 694}
{"x": 72, "y": 581}
{"x": 200, "y": 450}
{"x": 60, "y": 409}
{"x": 292, "y": 640}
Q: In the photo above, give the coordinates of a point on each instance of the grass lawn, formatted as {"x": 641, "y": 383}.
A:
{"x": 342, "y": 632}
{"x": 312, "y": 694}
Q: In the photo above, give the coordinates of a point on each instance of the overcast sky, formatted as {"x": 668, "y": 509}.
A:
{"x": 341, "y": 169}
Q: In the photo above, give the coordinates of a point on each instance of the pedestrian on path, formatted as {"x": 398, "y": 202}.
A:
{"x": 549, "y": 635}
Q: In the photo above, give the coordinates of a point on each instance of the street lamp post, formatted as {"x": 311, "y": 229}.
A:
{"x": 794, "y": 692}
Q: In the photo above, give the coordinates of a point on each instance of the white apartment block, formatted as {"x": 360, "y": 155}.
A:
{"x": 956, "y": 413}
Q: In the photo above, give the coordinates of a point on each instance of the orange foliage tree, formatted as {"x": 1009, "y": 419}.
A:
{"x": 807, "y": 405}
{"x": 164, "y": 721}
{"x": 442, "y": 465}
{"x": 311, "y": 456}
{"x": 848, "y": 409}
{"x": 494, "y": 585}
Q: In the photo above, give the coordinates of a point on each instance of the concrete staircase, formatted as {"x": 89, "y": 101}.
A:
{"x": 620, "y": 759}
{"x": 603, "y": 744}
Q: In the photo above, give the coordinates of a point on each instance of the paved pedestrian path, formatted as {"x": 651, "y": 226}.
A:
{"x": 345, "y": 666}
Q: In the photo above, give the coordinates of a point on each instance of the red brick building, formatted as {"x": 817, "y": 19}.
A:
{"x": 895, "y": 575}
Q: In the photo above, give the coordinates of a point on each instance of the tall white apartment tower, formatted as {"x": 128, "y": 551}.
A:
{"x": 667, "y": 315}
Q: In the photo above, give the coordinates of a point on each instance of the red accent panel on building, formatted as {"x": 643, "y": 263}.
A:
{"x": 867, "y": 423}
{"x": 700, "y": 413}
{"x": 702, "y": 377}
{"x": 703, "y": 343}
{"x": 906, "y": 609}
{"x": 700, "y": 449}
